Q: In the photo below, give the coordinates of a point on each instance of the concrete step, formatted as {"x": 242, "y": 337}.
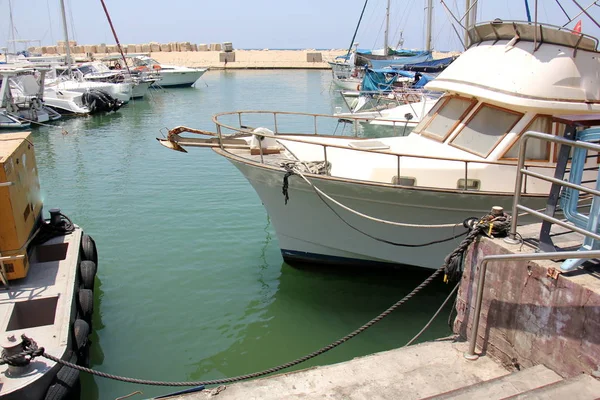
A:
{"x": 582, "y": 387}
{"x": 507, "y": 385}
{"x": 409, "y": 373}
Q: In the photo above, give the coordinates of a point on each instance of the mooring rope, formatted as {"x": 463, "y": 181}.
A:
{"x": 247, "y": 376}
{"x": 291, "y": 168}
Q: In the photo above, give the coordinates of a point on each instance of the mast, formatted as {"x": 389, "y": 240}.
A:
{"x": 429, "y": 23}
{"x": 473, "y": 19}
{"x": 12, "y": 27}
{"x": 387, "y": 29}
{"x": 67, "y": 47}
{"x": 467, "y": 22}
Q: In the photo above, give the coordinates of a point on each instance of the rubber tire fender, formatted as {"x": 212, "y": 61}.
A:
{"x": 85, "y": 301}
{"x": 87, "y": 273}
{"x": 65, "y": 381}
{"x": 88, "y": 249}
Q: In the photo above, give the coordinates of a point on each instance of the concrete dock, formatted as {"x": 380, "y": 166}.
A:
{"x": 415, "y": 372}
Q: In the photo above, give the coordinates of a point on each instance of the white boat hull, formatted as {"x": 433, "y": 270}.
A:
{"x": 119, "y": 91}
{"x": 180, "y": 77}
{"x": 140, "y": 89}
{"x": 309, "y": 231}
{"x": 348, "y": 84}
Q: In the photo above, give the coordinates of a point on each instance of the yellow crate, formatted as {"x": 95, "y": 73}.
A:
{"x": 16, "y": 268}
{"x": 20, "y": 200}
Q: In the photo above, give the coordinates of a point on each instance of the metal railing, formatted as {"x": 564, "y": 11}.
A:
{"x": 354, "y": 120}
{"x": 521, "y": 174}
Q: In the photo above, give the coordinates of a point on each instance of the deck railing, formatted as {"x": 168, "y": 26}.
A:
{"x": 274, "y": 118}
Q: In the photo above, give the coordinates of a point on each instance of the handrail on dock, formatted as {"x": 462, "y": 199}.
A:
{"x": 521, "y": 173}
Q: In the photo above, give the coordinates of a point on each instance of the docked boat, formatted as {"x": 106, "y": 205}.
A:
{"x": 22, "y": 99}
{"x": 170, "y": 75}
{"x": 65, "y": 79}
{"x": 97, "y": 71}
{"x": 47, "y": 270}
{"x": 403, "y": 200}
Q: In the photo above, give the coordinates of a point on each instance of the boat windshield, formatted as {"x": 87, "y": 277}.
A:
{"x": 485, "y": 129}
{"x": 144, "y": 62}
{"x": 443, "y": 118}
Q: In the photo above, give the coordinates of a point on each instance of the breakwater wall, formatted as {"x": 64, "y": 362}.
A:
{"x": 214, "y": 55}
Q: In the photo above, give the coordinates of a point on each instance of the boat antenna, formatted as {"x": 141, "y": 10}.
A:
{"x": 563, "y": 10}
{"x": 66, "y": 32}
{"x": 528, "y": 12}
{"x": 584, "y": 11}
{"x": 356, "y": 30}
{"x": 115, "y": 35}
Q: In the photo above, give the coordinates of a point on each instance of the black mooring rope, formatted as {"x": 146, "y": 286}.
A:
{"x": 255, "y": 374}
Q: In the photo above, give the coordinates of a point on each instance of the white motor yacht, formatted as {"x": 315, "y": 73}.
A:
{"x": 402, "y": 200}
{"x": 170, "y": 75}
{"x": 63, "y": 78}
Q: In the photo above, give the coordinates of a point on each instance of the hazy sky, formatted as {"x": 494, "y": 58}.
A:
{"x": 262, "y": 24}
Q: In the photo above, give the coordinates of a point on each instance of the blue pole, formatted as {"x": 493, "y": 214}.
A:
{"x": 527, "y": 10}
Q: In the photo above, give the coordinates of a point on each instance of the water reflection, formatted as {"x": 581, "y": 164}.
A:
{"x": 315, "y": 306}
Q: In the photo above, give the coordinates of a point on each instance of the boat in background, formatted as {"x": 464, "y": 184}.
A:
{"x": 96, "y": 71}
{"x": 170, "y": 75}
{"x": 22, "y": 98}
{"x": 403, "y": 200}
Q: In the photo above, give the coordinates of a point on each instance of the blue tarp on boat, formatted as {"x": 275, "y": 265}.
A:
{"x": 382, "y": 79}
{"x": 395, "y": 62}
{"x": 430, "y": 66}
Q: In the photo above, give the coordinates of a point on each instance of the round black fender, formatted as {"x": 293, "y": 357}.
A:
{"x": 81, "y": 331}
{"x": 88, "y": 249}
{"x": 65, "y": 381}
{"x": 87, "y": 273}
{"x": 85, "y": 300}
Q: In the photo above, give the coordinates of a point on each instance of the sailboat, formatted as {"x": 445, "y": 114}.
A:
{"x": 348, "y": 73}
{"x": 59, "y": 80}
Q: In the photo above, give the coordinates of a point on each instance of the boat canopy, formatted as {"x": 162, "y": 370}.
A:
{"x": 430, "y": 66}
{"x": 383, "y": 79}
{"x": 396, "y": 61}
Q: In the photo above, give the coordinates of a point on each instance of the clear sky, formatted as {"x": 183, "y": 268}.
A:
{"x": 259, "y": 24}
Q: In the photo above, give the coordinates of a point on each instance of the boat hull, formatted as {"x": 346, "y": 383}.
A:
{"x": 309, "y": 231}
{"x": 180, "y": 78}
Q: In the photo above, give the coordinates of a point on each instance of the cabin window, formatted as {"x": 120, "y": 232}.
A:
{"x": 446, "y": 117}
{"x": 536, "y": 149}
{"x": 485, "y": 129}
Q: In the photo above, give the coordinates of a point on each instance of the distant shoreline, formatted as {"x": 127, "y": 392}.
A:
{"x": 213, "y": 58}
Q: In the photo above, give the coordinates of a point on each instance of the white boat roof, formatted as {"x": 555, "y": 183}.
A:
{"x": 522, "y": 66}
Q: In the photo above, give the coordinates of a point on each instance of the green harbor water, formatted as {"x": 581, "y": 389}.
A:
{"x": 191, "y": 284}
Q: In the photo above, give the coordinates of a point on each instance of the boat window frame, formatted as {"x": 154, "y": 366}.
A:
{"x": 458, "y": 121}
{"x": 553, "y": 132}
{"x": 500, "y": 138}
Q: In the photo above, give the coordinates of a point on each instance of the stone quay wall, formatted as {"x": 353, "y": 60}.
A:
{"x": 214, "y": 55}
{"x": 530, "y": 316}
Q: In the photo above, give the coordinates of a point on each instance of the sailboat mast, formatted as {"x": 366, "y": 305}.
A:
{"x": 387, "y": 28}
{"x": 429, "y": 23}
{"x": 12, "y": 28}
{"x": 67, "y": 47}
{"x": 467, "y": 22}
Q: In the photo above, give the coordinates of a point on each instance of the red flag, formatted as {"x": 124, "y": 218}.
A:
{"x": 577, "y": 27}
